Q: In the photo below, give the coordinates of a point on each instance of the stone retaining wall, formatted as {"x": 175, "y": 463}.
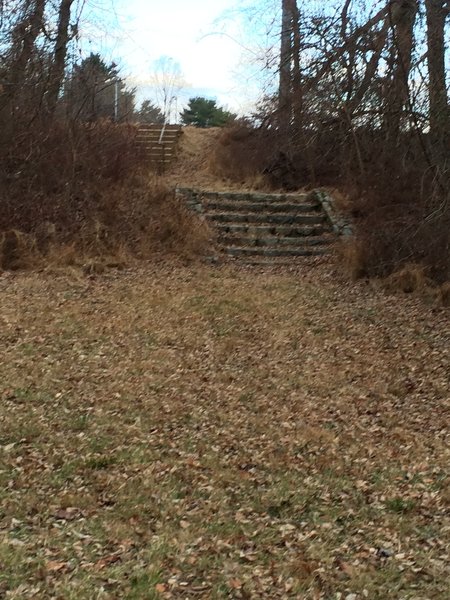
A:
{"x": 340, "y": 225}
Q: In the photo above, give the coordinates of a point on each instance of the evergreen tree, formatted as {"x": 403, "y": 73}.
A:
{"x": 95, "y": 90}
{"x": 202, "y": 112}
{"x": 149, "y": 113}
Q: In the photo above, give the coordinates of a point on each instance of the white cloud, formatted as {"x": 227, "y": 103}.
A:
{"x": 141, "y": 31}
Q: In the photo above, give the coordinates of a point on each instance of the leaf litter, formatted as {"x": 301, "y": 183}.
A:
{"x": 198, "y": 432}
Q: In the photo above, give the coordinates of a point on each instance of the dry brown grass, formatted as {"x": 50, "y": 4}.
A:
{"x": 241, "y": 154}
{"x": 78, "y": 193}
{"x": 198, "y": 165}
{"x": 351, "y": 254}
{"x": 411, "y": 278}
{"x": 444, "y": 293}
{"x": 17, "y": 250}
{"x": 138, "y": 219}
{"x": 172, "y": 433}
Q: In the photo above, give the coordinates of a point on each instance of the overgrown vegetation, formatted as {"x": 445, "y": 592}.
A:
{"x": 170, "y": 432}
{"x": 72, "y": 185}
{"x": 362, "y": 106}
{"x": 77, "y": 192}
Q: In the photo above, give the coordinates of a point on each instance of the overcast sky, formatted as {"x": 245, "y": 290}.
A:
{"x": 204, "y": 37}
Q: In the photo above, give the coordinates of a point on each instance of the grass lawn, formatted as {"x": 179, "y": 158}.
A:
{"x": 200, "y": 432}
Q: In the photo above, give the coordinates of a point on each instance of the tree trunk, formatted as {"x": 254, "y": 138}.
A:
{"x": 297, "y": 91}
{"x": 439, "y": 108}
{"x": 285, "y": 87}
{"x": 59, "y": 56}
{"x": 402, "y": 18}
{"x": 369, "y": 74}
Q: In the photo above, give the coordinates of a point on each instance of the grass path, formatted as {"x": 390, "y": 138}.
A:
{"x": 222, "y": 433}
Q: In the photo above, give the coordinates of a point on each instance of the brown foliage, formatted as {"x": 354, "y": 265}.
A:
{"x": 351, "y": 254}
{"x": 54, "y": 173}
{"x": 411, "y": 278}
{"x": 395, "y": 197}
{"x": 243, "y": 152}
{"x": 444, "y": 293}
{"x": 17, "y": 250}
{"x": 80, "y": 190}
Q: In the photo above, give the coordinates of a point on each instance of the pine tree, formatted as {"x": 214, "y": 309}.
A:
{"x": 149, "y": 113}
{"x": 202, "y": 112}
{"x": 95, "y": 91}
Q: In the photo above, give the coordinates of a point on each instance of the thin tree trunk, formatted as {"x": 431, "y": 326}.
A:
{"x": 59, "y": 56}
{"x": 297, "y": 91}
{"x": 402, "y": 17}
{"x": 370, "y": 71}
{"x": 350, "y": 61}
{"x": 439, "y": 107}
{"x": 285, "y": 86}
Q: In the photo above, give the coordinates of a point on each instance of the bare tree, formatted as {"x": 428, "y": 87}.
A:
{"x": 436, "y": 11}
{"x": 167, "y": 82}
{"x": 23, "y": 40}
{"x": 63, "y": 37}
{"x": 285, "y": 86}
{"x": 402, "y": 17}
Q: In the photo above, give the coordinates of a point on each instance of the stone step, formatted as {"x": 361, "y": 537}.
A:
{"x": 275, "y": 241}
{"x": 159, "y": 127}
{"x": 264, "y": 229}
{"x": 260, "y": 231}
{"x": 244, "y": 251}
{"x": 157, "y": 141}
{"x": 150, "y": 144}
{"x": 259, "y": 207}
{"x": 252, "y": 197}
{"x": 270, "y": 218}
{"x": 292, "y": 262}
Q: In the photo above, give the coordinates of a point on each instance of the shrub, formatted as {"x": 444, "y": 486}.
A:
{"x": 82, "y": 190}
{"x": 399, "y": 201}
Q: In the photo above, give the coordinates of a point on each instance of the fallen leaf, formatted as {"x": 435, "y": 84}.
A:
{"x": 235, "y": 584}
{"x": 56, "y": 566}
{"x": 67, "y": 514}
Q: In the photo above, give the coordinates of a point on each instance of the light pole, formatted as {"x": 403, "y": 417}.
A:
{"x": 116, "y": 100}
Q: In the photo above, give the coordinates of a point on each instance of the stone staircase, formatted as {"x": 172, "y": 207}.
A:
{"x": 265, "y": 228}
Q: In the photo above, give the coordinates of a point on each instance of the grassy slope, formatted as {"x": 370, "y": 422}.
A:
{"x": 204, "y": 433}
{"x": 196, "y": 166}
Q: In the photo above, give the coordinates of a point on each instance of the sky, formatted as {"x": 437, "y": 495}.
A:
{"x": 202, "y": 38}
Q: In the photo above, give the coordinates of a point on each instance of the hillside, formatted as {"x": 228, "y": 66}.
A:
{"x": 195, "y": 166}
